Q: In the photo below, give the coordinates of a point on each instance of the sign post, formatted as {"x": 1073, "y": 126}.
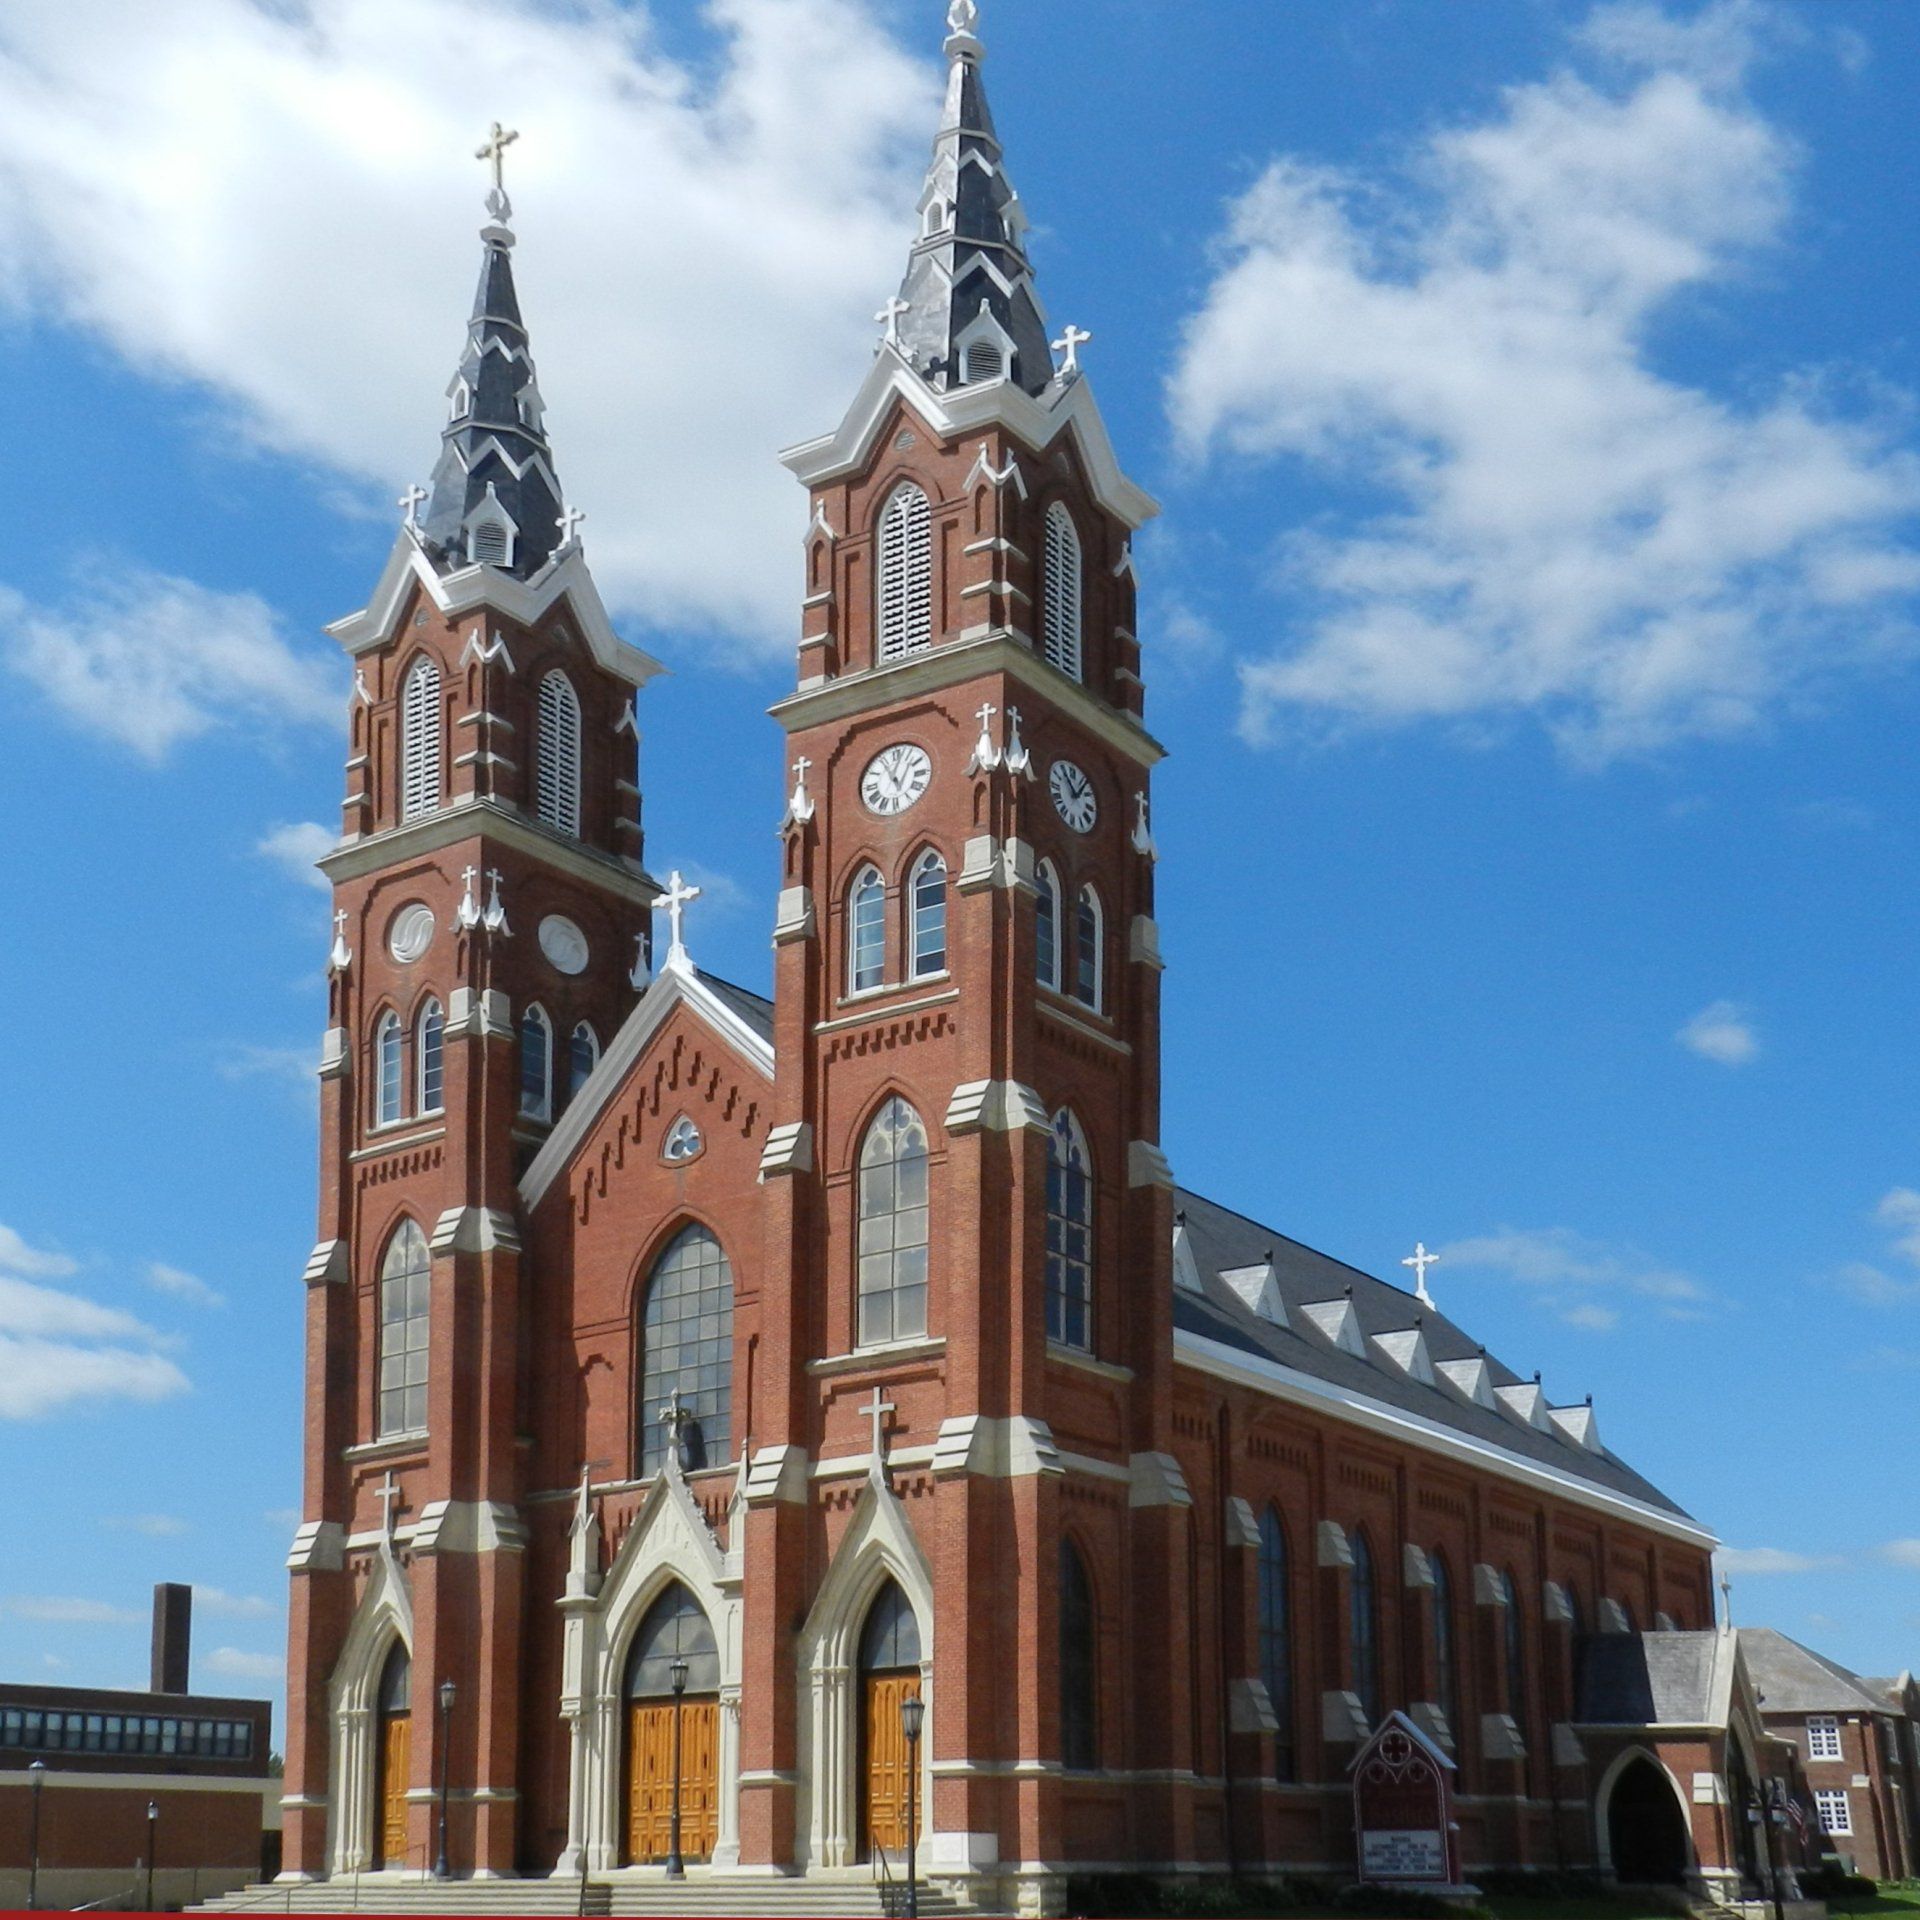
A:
{"x": 1403, "y": 1824}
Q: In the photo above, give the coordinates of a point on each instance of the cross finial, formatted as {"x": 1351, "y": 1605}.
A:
{"x": 496, "y": 915}
{"x": 1070, "y": 344}
{"x": 800, "y": 807}
{"x": 410, "y": 504}
{"x": 1420, "y": 1261}
{"x": 340, "y": 955}
{"x": 674, "y": 1417}
{"x": 499, "y": 139}
{"x": 891, "y": 315}
{"x": 388, "y": 1494}
{"x": 674, "y": 904}
{"x": 570, "y": 521}
{"x": 963, "y": 16}
{"x": 877, "y": 1410}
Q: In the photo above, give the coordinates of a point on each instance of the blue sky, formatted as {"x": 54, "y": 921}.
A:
{"x": 1531, "y": 390}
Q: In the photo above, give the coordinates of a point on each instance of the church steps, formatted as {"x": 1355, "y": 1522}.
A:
{"x": 802, "y": 1899}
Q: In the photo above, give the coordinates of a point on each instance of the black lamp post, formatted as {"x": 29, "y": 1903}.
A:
{"x": 676, "y": 1867}
{"x": 153, "y": 1834}
{"x": 446, "y": 1718}
{"x": 913, "y": 1711}
{"x": 37, "y": 1773}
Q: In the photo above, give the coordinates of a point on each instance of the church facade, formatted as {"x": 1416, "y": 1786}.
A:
{"x": 693, "y": 1378}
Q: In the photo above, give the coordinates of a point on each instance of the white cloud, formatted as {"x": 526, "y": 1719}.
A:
{"x": 182, "y": 1285}
{"x": 1902, "y": 1553}
{"x": 1592, "y": 1318}
{"x": 148, "y": 661}
{"x": 282, "y": 1516}
{"x": 155, "y": 1526}
{"x": 294, "y": 1067}
{"x": 35, "y": 1263}
{"x": 296, "y": 847}
{"x": 232, "y": 1664}
{"x": 1873, "y": 1285}
{"x": 1745, "y": 1561}
{"x": 1571, "y": 532}
{"x": 68, "y": 1611}
{"x": 219, "y": 190}
{"x": 1580, "y": 1279}
{"x": 60, "y": 1349}
{"x": 1723, "y": 1033}
{"x": 232, "y": 1606}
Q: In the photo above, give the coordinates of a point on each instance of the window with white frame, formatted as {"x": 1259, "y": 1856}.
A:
{"x": 556, "y": 786}
{"x": 1061, "y": 588}
{"x": 1823, "y": 1738}
{"x": 1089, "y": 950}
{"x": 1835, "y": 1811}
{"x": 389, "y": 1050}
{"x": 1047, "y": 926}
{"x": 429, "y": 1052}
{"x": 893, "y": 1227}
{"x": 904, "y": 575}
{"x": 405, "y": 1283}
{"x": 927, "y": 949}
{"x": 867, "y": 932}
{"x": 1069, "y": 1236}
{"x": 683, "y": 1142}
{"x": 536, "y": 1065}
{"x": 420, "y": 741}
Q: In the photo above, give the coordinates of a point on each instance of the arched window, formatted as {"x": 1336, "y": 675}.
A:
{"x": 420, "y": 741}
{"x": 1069, "y": 1235}
{"x": 1516, "y": 1650}
{"x": 1276, "y": 1638}
{"x": 583, "y": 1055}
{"x": 687, "y": 1344}
{"x": 1363, "y": 1621}
{"x": 985, "y": 363}
{"x": 1047, "y": 926}
{"x": 867, "y": 932}
{"x": 389, "y": 1070}
{"x": 1062, "y": 576}
{"x": 405, "y": 1276}
{"x": 1089, "y": 950}
{"x": 929, "y": 895}
{"x": 893, "y": 1227}
{"x": 905, "y": 573}
{"x": 536, "y": 1064}
{"x": 890, "y": 1641}
{"x": 429, "y": 1051}
{"x": 1079, "y": 1665}
{"x": 556, "y": 785}
{"x": 676, "y": 1628}
{"x": 1446, "y": 1666}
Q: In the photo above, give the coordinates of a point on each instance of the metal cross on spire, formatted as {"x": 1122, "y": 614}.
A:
{"x": 674, "y": 904}
{"x": 499, "y": 139}
{"x": 1070, "y": 344}
{"x": 411, "y": 502}
{"x": 1420, "y": 1261}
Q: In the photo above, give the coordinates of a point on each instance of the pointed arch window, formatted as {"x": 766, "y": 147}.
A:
{"x": 389, "y": 1051}
{"x": 676, "y": 1628}
{"x": 429, "y": 1048}
{"x": 1516, "y": 1653}
{"x": 1446, "y": 1659}
{"x": 556, "y": 796}
{"x": 420, "y": 741}
{"x": 583, "y": 1055}
{"x": 905, "y": 573}
{"x": 1089, "y": 949}
{"x": 1363, "y": 1618}
{"x": 405, "y": 1283}
{"x": 867, "y": 932}
{"x": 536, "y": 1064}
{"x": 1062, "y": 587}
{"x": 1047, "y": 926}
{"x": 1079, "y": 1665}
{"x": 928, "y": 893}
{"x": 1069, "y": 1236}
{"x": 687, "y": 1346}
{"x": 1276, "y": 1638}
{"x": 893, "y": 1227}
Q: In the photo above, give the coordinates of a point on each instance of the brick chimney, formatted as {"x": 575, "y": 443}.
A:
{"x": 172, "y": 1637}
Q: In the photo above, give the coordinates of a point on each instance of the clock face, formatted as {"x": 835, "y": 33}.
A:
{"x": 1074, "y": 797}
{"x": 897, "y": 778}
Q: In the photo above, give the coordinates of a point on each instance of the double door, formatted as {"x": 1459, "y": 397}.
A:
{"x": 650, "y": 1780}
{"x": 889, "y": 1764}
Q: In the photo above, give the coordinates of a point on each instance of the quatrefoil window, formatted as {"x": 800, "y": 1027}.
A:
{"x": 683, "y": 1142}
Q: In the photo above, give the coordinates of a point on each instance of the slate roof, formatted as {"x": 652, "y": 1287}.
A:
{"x": 1794, "y": 1679}
{"x": 751, "y": 1007}
{"x": 1653, "y": 1679}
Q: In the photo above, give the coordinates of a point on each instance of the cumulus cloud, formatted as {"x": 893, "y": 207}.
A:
{"x": 1872, "y": 1284}
{"x": 233, "y": 1664}
{"x": 1766, "y": 1560}
{"x": 219, "y": 189}
{"x": 1586, "y": 1283}
{"x": 68, "y": 1611}
{"x": 1568, "y": 531}
{"x": 148, "y": 661}
{"x": 35, "y": 1263}
{"x": 232, "y": 1606}
{"x": 155, "y": 1526}
{"x": 296, "y": 847}
{"x": 1902, "y": 1553}
{"x": 181, "y": 1285}
{"x": 1723, "y": 1033}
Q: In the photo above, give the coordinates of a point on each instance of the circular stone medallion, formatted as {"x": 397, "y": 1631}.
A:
{"x": 564, "y": 944}
{"x": 411, "y": 933}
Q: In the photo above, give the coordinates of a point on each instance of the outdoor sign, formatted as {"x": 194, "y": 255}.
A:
{"x": 1403, "y": 1808}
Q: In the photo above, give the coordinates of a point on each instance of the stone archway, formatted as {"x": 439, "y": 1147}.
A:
{"x": 1647, "y": 1833}
{"x": 382, "y": 1623}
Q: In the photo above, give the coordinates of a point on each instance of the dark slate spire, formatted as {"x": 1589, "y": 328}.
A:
{"x": 967, "y": 305}
{"x": 494, "y": 495}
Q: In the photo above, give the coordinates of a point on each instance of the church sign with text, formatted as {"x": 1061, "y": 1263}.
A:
{"x": 1403, "y": 1809}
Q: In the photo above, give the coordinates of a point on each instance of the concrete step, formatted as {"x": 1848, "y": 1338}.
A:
{"x": 729, "y": 1895}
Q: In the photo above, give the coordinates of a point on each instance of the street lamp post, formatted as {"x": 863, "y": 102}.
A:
{"x": 912, "y": 1712}
{"x": 677, "y": 1867}
{"x": 153, "y": 1834}
{"x": 446, "y": 1719}
{"x": 37, "y": 1773}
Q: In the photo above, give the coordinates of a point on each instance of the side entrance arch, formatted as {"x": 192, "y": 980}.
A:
{"x": 1647, "y": 1834}
{"x": 663, "y": 1723}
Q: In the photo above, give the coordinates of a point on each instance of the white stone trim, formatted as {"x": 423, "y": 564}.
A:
{"x": 1012, "y": 1449}
{"x": 327, "y": 1265}
{"x": 1489, "y": 1586}
{"x": 990, "y": 862}
{"x": 1143, "y": 944}
{"x": 996, "y": 1106}
{"x": 789, "y": 1149}
{"x": 1243, "y": 1530}
{"x": 335, "y": 1054}
{"x": 1158, "y": 1480}
{"x": 384, "y": 1615}
{"x": 1500, "y": 1737}
{"x": 1416, "y": 1568}
{"x": 778, "y": 1473}
{"x": 795, "y": 918}
{"x": 479, "y": 1015}
{"x": 319, "y": 1546}
{"x": 475, "y": 1230}
{"x": 1250, "y": 1708}
{"x": 1343, "y": 1720}
{"x": 1147, "y": 1166}
{"x": 469, "y": 1526}
{"x": 1331, "y": 1547}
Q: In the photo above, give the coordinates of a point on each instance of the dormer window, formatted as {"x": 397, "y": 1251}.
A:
{"x": 489, "y": 545}
{"x": 985, "y": 364}
{"x": 491, "y": 533}
{"x": 936, "y": 219}
{"x": 460, "y": 401}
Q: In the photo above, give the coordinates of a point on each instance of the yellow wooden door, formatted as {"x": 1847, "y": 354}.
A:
{"x": 650, "y": 1780}
{"x": 395, "y": 1770}
{"x": 889, "y": 1763}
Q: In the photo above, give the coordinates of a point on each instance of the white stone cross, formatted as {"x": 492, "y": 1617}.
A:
{"x": 410, "y": 503}
{"x": 1070, "y": 344}
{"x": 800, "y": 807}
{"x": 963, "y": 16}
{"x": 496, "y": 915}
{"x": 877, "y": 1410}
{"x": 388, "y": 1495}
{"x": 498, "y": 141}
{"x": 892, "y": 314}
{"x": 467, "y": 915}
{"x": 1420, "y": 1261}
{"x": 674, "y": 904}
{"x": 986, "y": 756}
{"x": 570, "y": 521}
{"x": 340, "y": 956}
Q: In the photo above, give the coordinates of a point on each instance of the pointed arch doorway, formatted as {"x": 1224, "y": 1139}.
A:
{"x": 675, "y": 1628}
{"x": 393, "y": 1760}
{"x": 1646, "y": 1827}
{"x": 889, "y": 1675}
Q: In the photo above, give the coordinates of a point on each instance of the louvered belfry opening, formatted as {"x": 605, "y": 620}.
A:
{"x": 1061, "y": 624}
{"x": 906, "y": 573}
{"x": 420, "y": 741}
{"x": 557, "y": 755}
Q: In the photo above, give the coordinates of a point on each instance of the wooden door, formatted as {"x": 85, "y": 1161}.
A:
{"x": 889, "y": 1762}
{"x": 395, "y": 1772}
{"x": 650, "y": 1780}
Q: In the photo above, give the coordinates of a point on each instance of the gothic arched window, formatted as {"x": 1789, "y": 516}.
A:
{"x": 1047, "y": 926}
{"x": 686, "y": 1343}
{"x": 405, "y": 1283}
{"x": 1069, "y": 1235}
{"x": 1062, "y": 578}
{"x": 556, "y": 785}
{"x": 890, "y": 1639}
{"x": 429, "y": 1055}
{"x": 676, "y": 1628}
{"x": 1079, "y": 1665}
{"x": 420, "y": 741}
{"x": 583, "y": 1055}
{"x": 1276, "y": 1638}
{"x": 893, "y": 1227}
{"x": 1089, "y": 950}
{"x": 905, "y": 573}
{"x": 927, "y": 891}
{"x": 1363, "y": 1602}
{"x": 867, "y": 932}
{"x": 1516, "y": 1652}
{"x": 536, "y": 1064}
{"x": 389, "y": 1066}
{"x": 1446, "y": 1663}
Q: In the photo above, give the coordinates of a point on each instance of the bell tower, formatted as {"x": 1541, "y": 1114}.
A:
{"x": 490, "y": 936}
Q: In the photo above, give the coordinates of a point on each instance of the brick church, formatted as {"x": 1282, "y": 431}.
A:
{"x": 694, "y": 1372}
